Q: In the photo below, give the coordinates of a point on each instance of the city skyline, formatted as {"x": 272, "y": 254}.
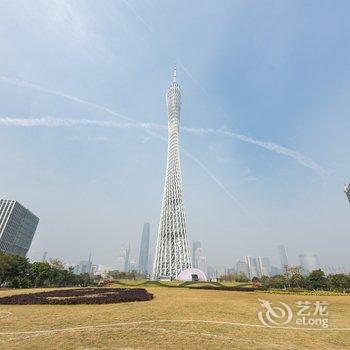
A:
{"x": 265, "y": 120}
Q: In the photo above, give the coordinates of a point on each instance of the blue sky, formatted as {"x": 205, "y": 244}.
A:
{"x": 272, "y": 71}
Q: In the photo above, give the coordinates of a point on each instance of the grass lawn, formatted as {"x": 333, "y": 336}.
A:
{"x": 177, "y": 318}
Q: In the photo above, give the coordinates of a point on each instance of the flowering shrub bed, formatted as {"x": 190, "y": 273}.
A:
{"x": 79, "y": 296}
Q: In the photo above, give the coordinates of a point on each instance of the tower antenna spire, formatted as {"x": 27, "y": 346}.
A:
{"x": 174, "y": 75}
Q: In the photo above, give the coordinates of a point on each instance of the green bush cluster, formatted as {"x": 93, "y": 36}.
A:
{"x": 233, "y": 277}
{"x": 17, "y": 272}
{"x": 316, "y": 280}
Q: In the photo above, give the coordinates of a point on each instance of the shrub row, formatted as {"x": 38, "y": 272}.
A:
{"x": 79, "y": 296}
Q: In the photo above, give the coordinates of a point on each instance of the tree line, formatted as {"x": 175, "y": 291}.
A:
{"x": 17, "y": 272}
{"x": 293, "y": 279}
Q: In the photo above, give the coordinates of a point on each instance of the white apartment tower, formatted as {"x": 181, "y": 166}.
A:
{"x": 172, "y": 250}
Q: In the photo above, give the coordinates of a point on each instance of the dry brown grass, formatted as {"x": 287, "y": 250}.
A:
{"x": 110, "y": 326}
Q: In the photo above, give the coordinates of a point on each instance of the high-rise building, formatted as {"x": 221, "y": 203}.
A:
{"x": 308, "y": 262}
{"x": 172, "y": 250}
{"x": 144, "y": 249}
{"x": 127, "y": 259}
{"x": 242, "y": 268}
{"x": 347, "y": 191}
{"x": 84, "y": 266}
{"x": 122, "y": 263}
{"x": 202, "y": 263}
{"x": 201, "y": 260}
{"x": 17, "y": 227}
{"x": 253, "y": 268}
{"x": 132, "y": 265}
{"x": 211, "y": 272}
{"x": 283, "y": 256}
{"x": 264, "y": 266}
{"x": 195, "y": 246}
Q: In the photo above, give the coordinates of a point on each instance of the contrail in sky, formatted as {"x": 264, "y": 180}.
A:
{"x": 149, "y": 128}
{"x": 55, "y": 122}
{"x": 52, "y": 122}
{"x": 28, "y": 85}
{"x": 299, "y": 157}
{"x": 136, "y": 13}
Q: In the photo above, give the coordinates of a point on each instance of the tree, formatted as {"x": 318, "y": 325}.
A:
{"x": 296, "y": 279}
{"x": 14, "y": 270}
{"x": 234, "y": 277}
{"x": 42, "y": 274}
{"x": 17, "y": 272}
{"x": 278, "y": 281}
{"x": 57, "y": 264}
{"x": 265, "y": 281}
{"x": 317, "y": 280}
{"x": 339, "y": 282}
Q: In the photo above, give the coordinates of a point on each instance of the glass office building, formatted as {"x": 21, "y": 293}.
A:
{"x": 144, "y": 249}
{"x": 17, "y": 227}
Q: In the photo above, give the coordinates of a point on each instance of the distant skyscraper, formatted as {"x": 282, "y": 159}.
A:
{"x": 132, "y": 265}
{"x": 195, "y": 246}
{"x": 144, "y": 249}
{"x": 200, "y": 260}
{"x": 127, "y": 259}
{"x": 172, "y": 251}
{"x": 123, "y": 259}
{"x": 253, "y": 268}
{"x": 84, "y": 266}
{"x": 347, "y": 191}
{"x": 283, "y": 256}
{"x": 308, "y": 262}
{"x": 264, "y": 266}
{"x": 242, "y": 268}
{"x": 211, "y": 272}
{"x": 220, "y": 271}
{"x": 17, "y": 227}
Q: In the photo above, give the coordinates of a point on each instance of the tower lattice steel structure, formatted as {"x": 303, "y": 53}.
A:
{"x": 347, "y": 191}
{"x": 172, "y": 251}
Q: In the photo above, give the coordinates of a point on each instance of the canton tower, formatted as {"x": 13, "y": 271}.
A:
{"x": 347, "y": 191}
{"x": 172, "y": 251}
